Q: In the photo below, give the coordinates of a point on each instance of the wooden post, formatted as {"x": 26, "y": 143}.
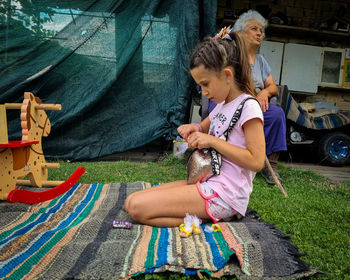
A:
{"x": 53, "y": 107}
{"x": 17, "y": 106}
{"x": 44, "y": 183}
{"x": 13, "y": 106}
{"x": 50, "y": 165}
{"x": 3, "y": 125}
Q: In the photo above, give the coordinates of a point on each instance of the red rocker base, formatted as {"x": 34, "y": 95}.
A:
{"x": 36, "y": 197}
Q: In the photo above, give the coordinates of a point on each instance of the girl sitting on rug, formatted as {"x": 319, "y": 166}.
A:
{"x": 222, "y": 70}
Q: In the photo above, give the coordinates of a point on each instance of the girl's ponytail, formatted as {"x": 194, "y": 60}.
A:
{"x": 244, "y": 78}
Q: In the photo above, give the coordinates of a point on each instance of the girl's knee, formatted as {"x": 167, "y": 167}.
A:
{"x": 127, "y": 202}
{"x": 129, "y": 198}
{"x": 134, "y": 208}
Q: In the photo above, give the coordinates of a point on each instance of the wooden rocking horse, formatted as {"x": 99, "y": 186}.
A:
{"x": 25, "y": 157}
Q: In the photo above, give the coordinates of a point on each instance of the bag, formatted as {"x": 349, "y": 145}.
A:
{"x": 204, "y": 163}
{"x": 199, "y": 166}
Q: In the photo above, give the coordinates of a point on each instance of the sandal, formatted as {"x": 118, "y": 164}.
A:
{"x": 268, "y": 177}
{"x": 185, "y": 232}
{"x": 216, "y": 227}
{"x": 196, "y": 229}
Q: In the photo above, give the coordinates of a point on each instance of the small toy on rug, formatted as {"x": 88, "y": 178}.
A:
{"x": 186, "y": 227}
{"x": 191, "y": 225}
{"x": 212, "y": 228}
{"x": 196, "y": 222}
{"x": 122, "y": 224}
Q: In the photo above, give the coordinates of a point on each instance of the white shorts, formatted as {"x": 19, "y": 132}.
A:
{"x": 216, "y": 208}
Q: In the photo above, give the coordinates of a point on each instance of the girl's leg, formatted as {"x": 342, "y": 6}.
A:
{"x": 167, "y": 206}
{"x": 165, "y": 185}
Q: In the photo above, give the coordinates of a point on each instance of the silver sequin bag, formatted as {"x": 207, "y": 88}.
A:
{"x": 199, "y": 166}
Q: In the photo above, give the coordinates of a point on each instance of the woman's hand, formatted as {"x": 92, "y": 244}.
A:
{"x": 263, "y": 98}
{"x": 186, "y": 130}
{"x": 265, "y": 94}
{"x": 200, "y": 140}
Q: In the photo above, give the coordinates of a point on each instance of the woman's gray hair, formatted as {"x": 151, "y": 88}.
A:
{"x": 241, "y": 23}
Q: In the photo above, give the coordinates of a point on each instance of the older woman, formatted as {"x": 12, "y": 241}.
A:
{"x": 252, "y": 26}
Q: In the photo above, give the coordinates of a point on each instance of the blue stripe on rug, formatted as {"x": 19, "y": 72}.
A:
{"x": 190, "y": 271}
{"x": 218, "y": 260}
{"x": 149, "y": 270}
{"x": 163, "y": 243}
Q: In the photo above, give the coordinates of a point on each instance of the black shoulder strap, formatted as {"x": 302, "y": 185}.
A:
{"x": 215, "y": 157}
{"x": 236, "y": 116}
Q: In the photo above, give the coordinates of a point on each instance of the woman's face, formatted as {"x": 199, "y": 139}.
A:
{"x": 254, "y": 33}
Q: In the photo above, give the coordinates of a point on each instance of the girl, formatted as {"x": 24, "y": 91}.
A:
{"x": 222, "y": 69}
{"x": 251, "y": 26}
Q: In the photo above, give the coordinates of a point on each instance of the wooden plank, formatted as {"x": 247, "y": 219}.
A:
{"x": 3, "y": 125}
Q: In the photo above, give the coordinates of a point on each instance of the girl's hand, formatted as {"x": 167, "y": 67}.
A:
{"x": 186, "y": 130}
{"x": 200, "y": 140}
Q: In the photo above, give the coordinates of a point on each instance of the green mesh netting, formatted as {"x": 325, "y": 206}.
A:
{"x": 119, "y": 69}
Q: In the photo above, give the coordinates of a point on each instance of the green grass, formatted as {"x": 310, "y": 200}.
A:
{"x": 316, "y": 214}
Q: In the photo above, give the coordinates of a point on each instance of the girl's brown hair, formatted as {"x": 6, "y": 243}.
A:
{"x": 216, "y": 53}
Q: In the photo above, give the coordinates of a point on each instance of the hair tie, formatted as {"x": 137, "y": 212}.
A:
{"x": 224, "y": 33}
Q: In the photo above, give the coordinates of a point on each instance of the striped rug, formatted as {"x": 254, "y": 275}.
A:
{"x": 71, "y": 237}
{"x": 295, "y": 113}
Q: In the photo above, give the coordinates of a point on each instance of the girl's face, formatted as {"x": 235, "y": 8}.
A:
{"x": 254, "y": 33}
{"x": 215, "y": 86}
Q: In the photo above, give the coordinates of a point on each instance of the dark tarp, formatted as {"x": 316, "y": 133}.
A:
{"x": 119, "y": 69}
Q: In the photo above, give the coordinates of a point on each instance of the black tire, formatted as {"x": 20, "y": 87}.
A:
{"x": 334, "y": 149}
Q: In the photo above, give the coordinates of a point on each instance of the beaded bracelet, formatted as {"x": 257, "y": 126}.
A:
{"x": 199, "y": 127}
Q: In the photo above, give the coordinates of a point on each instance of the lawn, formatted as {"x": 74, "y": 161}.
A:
{"x": 316, "y": 214}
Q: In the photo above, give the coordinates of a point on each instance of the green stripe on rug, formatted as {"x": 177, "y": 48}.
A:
{"x": 151, "y": 248}
{"x": 222, "y": 244}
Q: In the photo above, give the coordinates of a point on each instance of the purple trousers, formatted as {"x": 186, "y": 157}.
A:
{"x": 274, "y": 128}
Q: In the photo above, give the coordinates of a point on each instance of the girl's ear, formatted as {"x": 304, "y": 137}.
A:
{"x": 228, "y": 72}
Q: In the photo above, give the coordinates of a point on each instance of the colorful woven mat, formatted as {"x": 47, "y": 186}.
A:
{"x": 71, "y": 237}
{"x": 295, "y": 113}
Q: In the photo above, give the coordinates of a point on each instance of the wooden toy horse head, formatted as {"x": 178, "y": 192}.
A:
{"x": 34, "y": 121}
